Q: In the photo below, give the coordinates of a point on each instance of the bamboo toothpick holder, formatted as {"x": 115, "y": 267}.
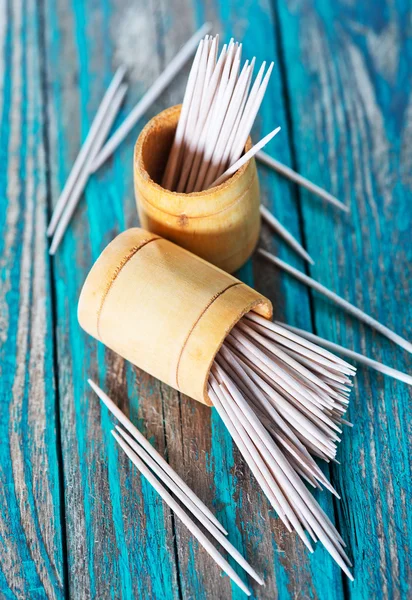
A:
{"x": 221, "y": 225}
{"x": 164, "y": 309}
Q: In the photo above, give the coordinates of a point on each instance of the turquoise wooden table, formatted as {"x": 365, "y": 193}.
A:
{"x": 76, "y": 519}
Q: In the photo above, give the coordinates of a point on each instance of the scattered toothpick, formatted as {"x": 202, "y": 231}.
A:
{"x": 216, "y": 533}
{"x": 86, "y": 148}
{"x": 284, "y": 233}
{"x": 164, "y": 480}
{"x": 151, "y": 96}
{"x": 139, "y": 437}
{"x": 183, "y": 516}
{"x": 300, "y": 180}
{"x": 245, "y": 158}
{"x": 347, "y": 306}
{"x": 80, "y": 184}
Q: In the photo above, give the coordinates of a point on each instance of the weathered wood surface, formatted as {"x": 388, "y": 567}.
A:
{"x": 352, "y": 66}
{"x": 340, "y": 92}
{"x": 31, "y": 532}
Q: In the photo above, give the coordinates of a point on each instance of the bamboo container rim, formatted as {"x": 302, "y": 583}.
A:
{"x": 208, "y": 202}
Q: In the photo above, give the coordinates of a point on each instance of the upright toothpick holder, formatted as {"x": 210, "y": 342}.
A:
{"x": 164, "y": 309}
{"x": 221, "y": 225}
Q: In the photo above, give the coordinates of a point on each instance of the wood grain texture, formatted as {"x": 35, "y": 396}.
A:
{"x": 348, "y": 79}
{"x": 340, "y": 90}
{"x": 31, "y": 555}
{"x": 119, "y": 534}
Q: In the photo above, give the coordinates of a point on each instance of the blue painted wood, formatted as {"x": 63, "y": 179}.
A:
{"x": 339, "y": 92}
{"x": 348, "y": 79}
{"x": 119, "y": 535}
{"x": 31, "y": 549}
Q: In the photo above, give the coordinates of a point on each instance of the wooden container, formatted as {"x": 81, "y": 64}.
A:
{"x": 221, "y": 225}
{"x": 164, "y": 309}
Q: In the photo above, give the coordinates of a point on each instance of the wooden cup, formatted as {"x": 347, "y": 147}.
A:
{"x": 221, "y": 225}
{"x": 164, "y": 309}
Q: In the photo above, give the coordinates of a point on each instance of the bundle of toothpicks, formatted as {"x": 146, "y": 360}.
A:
{"x": 219, "y": 108}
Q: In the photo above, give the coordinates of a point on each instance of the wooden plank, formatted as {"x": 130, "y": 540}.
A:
{"x": 31, "y": 550}
{"x": 119, "y": 535}
{"x": 348, "y": 73}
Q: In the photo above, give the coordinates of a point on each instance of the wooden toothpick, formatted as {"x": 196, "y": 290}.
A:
{"x": 245, "y": 158}
{"x": 81, "y": 182}
{"x": 300, "y": 180}
{"x": 139, "y": 437}
{"x": 86, "y": 148}
{"x": 284, "y": 233}
{"x": 183, "y": 516}
{"x": 356, "y": 356}
{"x": 347, "y": 306}
{"x": 151, "y": 95}
{"x": 168, "y": 481}
{"x": 266, "y": 385}
{"x": 216, "y": 118}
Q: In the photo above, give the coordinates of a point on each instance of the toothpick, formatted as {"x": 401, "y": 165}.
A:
{"x": 300, "y": 180}
{"x": 227, "y": 125}
{"x": 303, "y": 501}
{"x": 347, "y": 306}
{"x": 183, "y": 516}
{"x": 151, "y": 95}
{"x": 361, "y": 358}
{"x": 217, "y": 120}
{"x": 195, "y": 142}
{"x": 86, "y": 148}
{"x": 317, "y": 353}
{"x": 189, "y": 505}
{"x": 81, "y": 182}
{"x": 284, "y": 233}
{"x": 223, "y": 121}
{"x": 225, "y": 159}
{"x": 139, "y": 437}
{"x": 249, "y": 117}
{"x": 245, "y": 158}
{"x": 252, "y": 458}
{"x": 247, "y": 432}
{"x": 177, "y": 147}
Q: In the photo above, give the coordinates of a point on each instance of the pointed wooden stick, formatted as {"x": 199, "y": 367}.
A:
{"x": 300, "y": 180}
{"x": 284, "y": 233}
{"x": 254, "y": 461}
{"x": 347, "y": 306}
{"x": 248, "y": 117}
{"x": 290, "y": 481}
{"x": 177, "y": 147}
{"x": 151, "y": 95}
{"x": 81, "y": 182}
{"x": 316, "y": 351}
{"x": 360, "y": 358}
{"x": 195, "y": 143}
{"x": 227, "y": 125}
{"x": 183, "y": 516}
{"x": 189, "y": 505}
{"x": 219, "y": 113}
{"x": 86, "y": 148}
{"x": 139, "y": 437}
{"x": 302, "y": 501}
{"x": 244, "y": 159}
